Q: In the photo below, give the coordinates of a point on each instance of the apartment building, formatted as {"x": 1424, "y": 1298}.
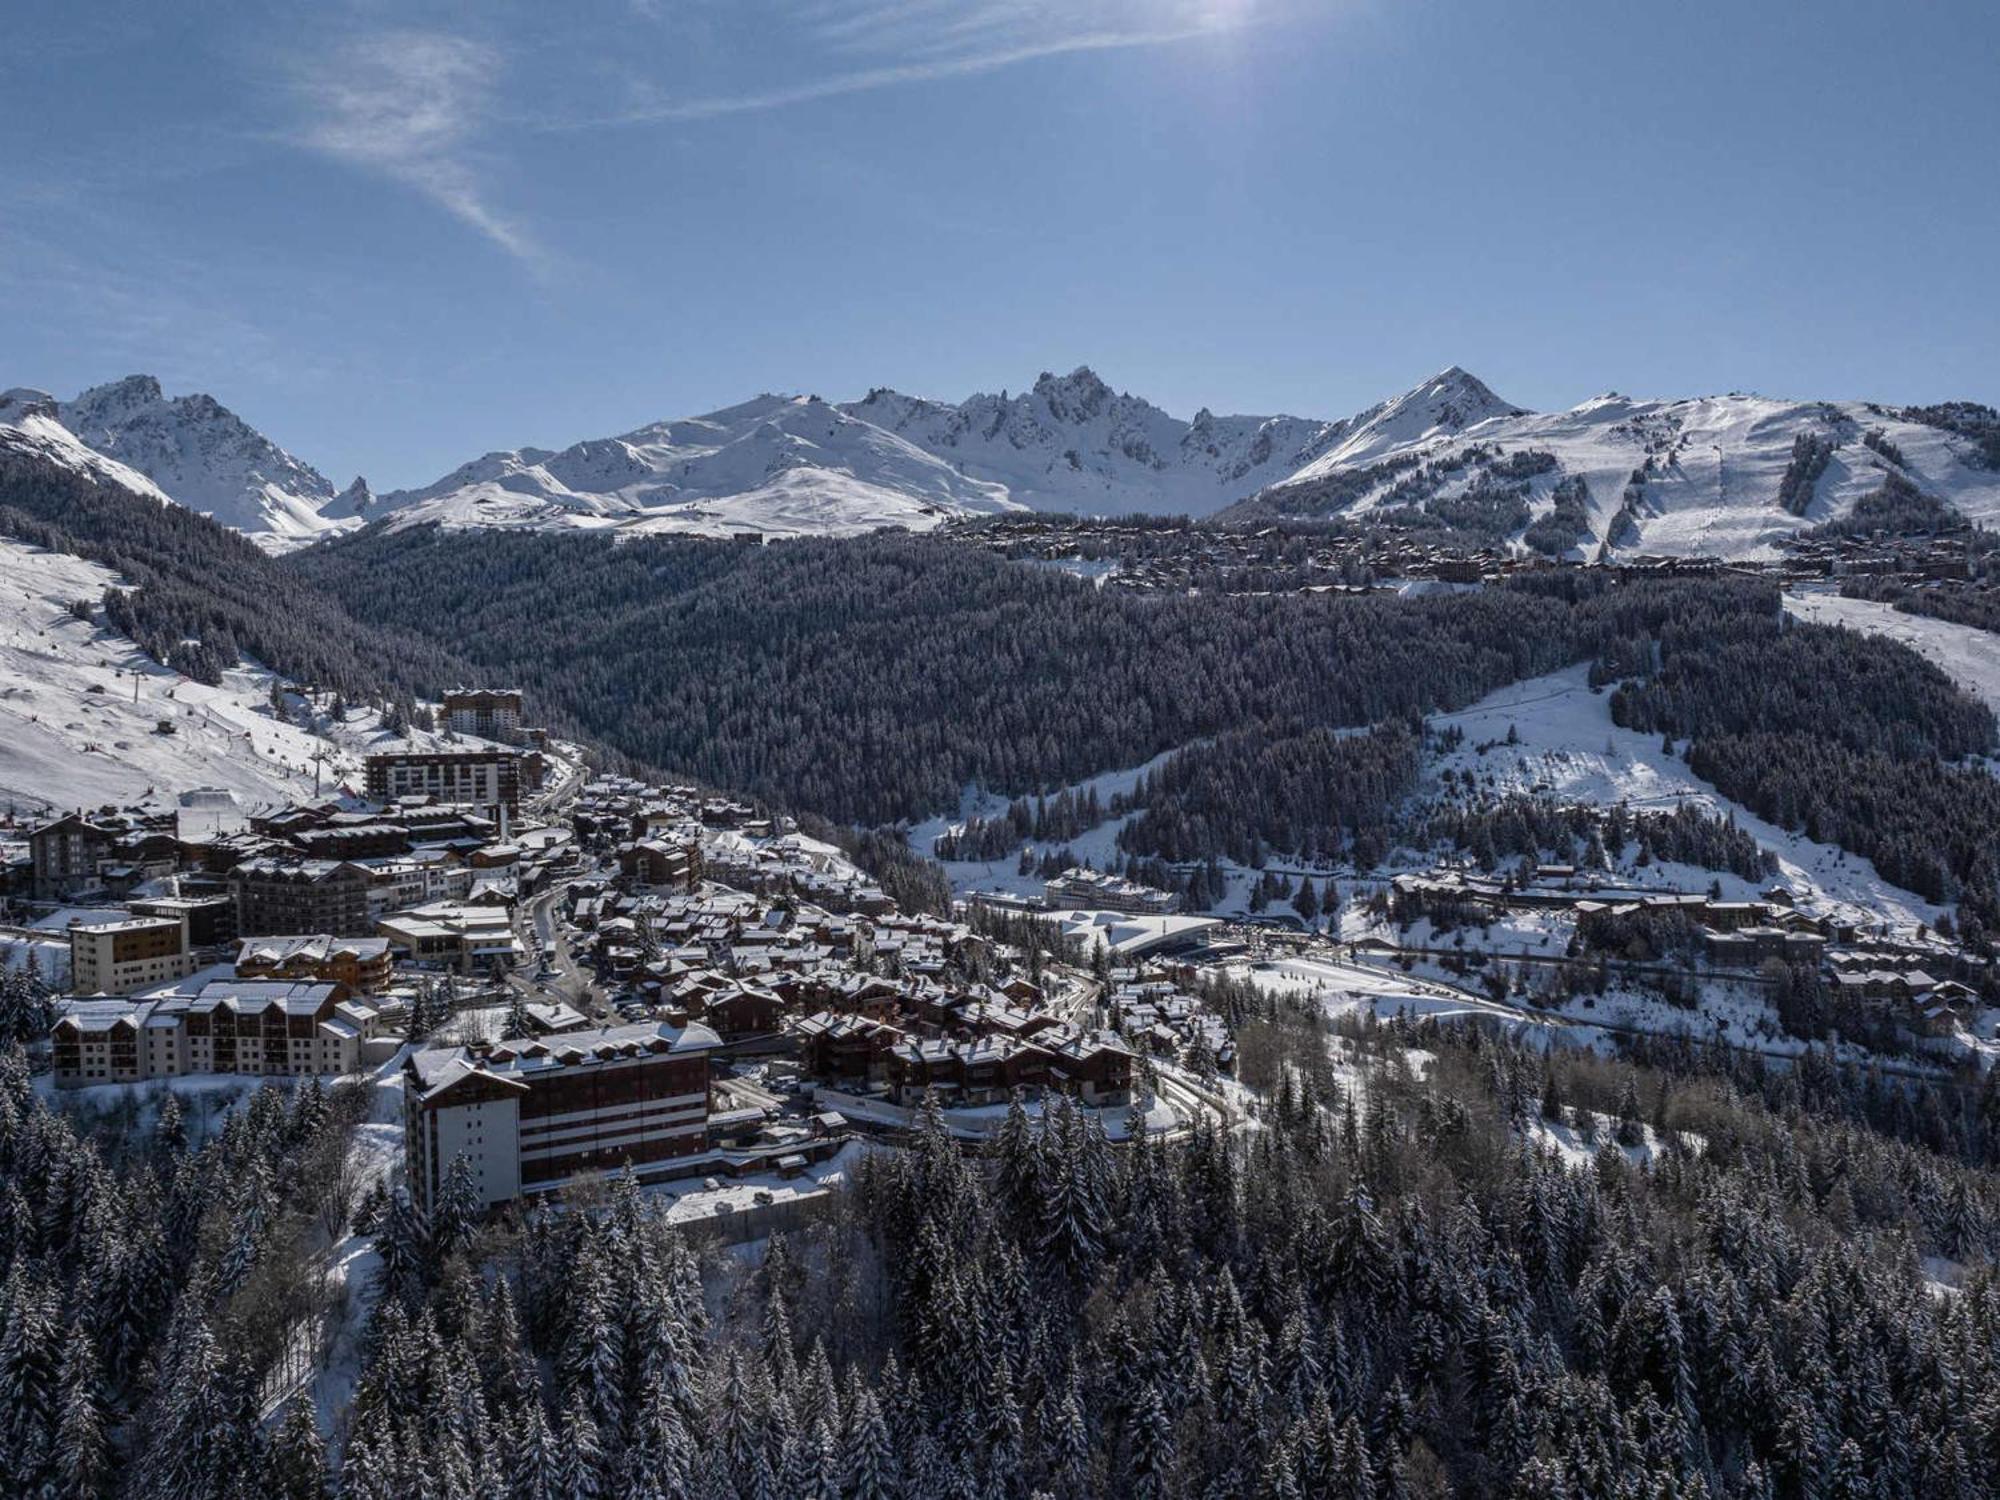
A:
{"x": 489, "y": 713}
{"x": 277, "y": 895}
{"x": 488, "y": 779}
{"x": 123, "y": 957}
{"x": 1089, "y": 890}
{"x": 532, "y": 1115}
{"x": 261, "y": 1029}
{"x": 360, "y": 965}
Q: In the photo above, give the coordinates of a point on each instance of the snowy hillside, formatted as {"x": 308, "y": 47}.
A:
{"x": 206, "y": 457}
{"x": 778, "y": 465}
{"x": 1730, "y": 476}
{"x": 1967, "y": 655}
{"x": 1566, "y": 748}
{"x": 31, "y": 429}
{"x": 81, "y": 709}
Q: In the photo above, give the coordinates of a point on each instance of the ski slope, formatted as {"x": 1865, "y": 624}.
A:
{"x": 81, "y": 705}
{"x": 1699, "y": 476}
{"x": 1570, "y": 751}
{"x": 1966, "y": 654}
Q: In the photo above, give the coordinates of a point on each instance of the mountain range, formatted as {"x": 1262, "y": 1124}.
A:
{"x": 1719, "y": 475}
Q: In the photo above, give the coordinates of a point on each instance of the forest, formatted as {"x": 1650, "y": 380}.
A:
{"x": 1394, "y": 1290}
{"x": 876, "y": 678}
{"x": 1853, "y": 740}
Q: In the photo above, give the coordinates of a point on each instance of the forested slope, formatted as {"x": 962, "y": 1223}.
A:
{"x": 206, "y": 595}
{"x": 1384, "y": 1293}
{"x": 874, "y": 678}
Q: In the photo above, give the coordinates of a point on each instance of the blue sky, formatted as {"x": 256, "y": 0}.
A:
{"x": 395, "y": 235}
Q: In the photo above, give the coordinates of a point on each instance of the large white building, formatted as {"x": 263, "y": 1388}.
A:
{"x": 489, "y": 779}
{"x": 533, "y": 1114}
{"x": 1088, "y": 890}
{"x": 263, "y": 1028}
{"x": 123, "y": 957}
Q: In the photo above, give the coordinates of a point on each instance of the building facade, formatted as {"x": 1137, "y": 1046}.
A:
{"x": 276, "y": 895}
{"x": 1091, "y": 891}
{"x": 122, "y": 958}
{"x": 66, "y": 854}
{"x": 362, "y": 966}
{"x": 261, "y": 1029}
{"x": 488, "y": 779}
{"x": 532, "y": 1115}
{"x": 489, "y": 713}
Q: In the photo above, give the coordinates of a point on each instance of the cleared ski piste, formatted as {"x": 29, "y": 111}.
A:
{"x": 81, "y": 706}
{"x": 1966, "y": 654}
{"x": 1568, "y": 750}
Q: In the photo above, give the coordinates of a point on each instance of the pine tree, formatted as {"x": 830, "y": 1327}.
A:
{"x": 1150, "y": 1442}
{"x": 29, "y": 1376}
{"x": 659, "y": 1459}
{"x": 82, "y": 1451}
{"x": 538, "y": 1467}
{"x": 1306, "y": 902}
{"x": 584, "y": 1468}
{"x": 295, "y": 1463}
{"x": 868, "y": 1458}
{"x": 456, "y": 1216}
{"x": 403, "y": 1243}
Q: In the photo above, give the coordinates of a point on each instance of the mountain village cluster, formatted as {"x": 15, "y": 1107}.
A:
{"x": 574, "y": 976}
{"x": 570, "y": 975}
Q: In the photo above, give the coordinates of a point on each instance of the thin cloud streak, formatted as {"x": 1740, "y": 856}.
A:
{"x": 407, "y": 105}
{"x": 868, "y": 79}
{"x": 415, "y": 106}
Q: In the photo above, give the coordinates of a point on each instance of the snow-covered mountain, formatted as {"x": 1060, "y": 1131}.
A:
{"x": 1727, "y": 475}
{"x": 1730, "y": 476}
{"x": 788, "y": 465}
{"x": 1072, "y": 444}
{"x": 779, "y": 465}
{"x": 207, "y": 458}
{"x": 31, "y": 428}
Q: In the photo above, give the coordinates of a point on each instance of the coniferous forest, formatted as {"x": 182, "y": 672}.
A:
{"x": 1394, "y": 1288}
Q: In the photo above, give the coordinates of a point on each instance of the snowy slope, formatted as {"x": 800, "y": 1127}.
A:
{"x": 30, "y": 428}
{"x": 1967, "y": 655}
{"x": 1569, "y": 751}
{"x": 1700, "y": 476}
{"x": 80, "y": 705}
{"x": 206, "y": 457}
{"x": 776, "y": 464}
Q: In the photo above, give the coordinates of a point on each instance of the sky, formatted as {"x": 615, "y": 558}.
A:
{"x": 395, "y": 234}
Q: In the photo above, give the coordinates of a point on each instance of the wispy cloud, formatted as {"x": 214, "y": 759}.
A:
{"x": 875, "y": 44}
{"x": 410, "y": 105}
{"x": 420, "y": 106}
